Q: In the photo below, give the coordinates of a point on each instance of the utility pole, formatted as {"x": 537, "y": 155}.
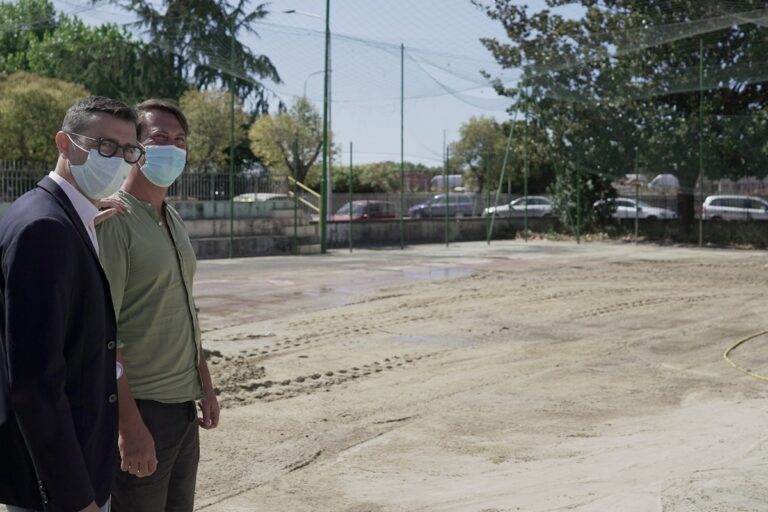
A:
{"x": 326, "y": 153}
{"x": 232, "y": 138}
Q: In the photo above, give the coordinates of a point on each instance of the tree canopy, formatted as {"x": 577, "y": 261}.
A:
{"x": 273, "y": 137}
{"x": 187, "y": 47}
{"x": 199, "y": 42}
{"x": 623, "y": 82}
{"x": 22, "y": 23}
{"x": 208, "y": 113}
{"x": 105, "y": 59}
{"x": 31, "y": 111}
{"x": 479, "y": 150}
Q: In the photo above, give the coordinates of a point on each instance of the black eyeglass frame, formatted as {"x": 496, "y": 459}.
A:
{"x": 126, "y": 149}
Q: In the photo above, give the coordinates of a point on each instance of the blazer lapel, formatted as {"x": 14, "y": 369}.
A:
{"x": 55, "y": 190}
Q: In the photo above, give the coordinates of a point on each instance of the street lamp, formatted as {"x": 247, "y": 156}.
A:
{"x": 326, "y": 120}
{"x": 307, "y": 79}
{"x": 303, "y": 13}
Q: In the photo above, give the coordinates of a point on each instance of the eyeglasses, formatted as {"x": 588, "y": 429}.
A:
{"x": 109, "y": 148}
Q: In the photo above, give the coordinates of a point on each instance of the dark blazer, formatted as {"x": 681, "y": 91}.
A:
{"x": 58, "y": 389}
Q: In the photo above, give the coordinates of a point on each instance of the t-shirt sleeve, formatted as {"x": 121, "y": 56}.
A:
{"x": 114, "y": 253}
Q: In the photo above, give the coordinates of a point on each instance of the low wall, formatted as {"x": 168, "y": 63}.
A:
{"x": 193, "y": 210}
{"x": 387, "y": 232}
{"x": 258, "y": 228}
{"x": 264, "y": 228}
{"x": 713, "y": 233}
{"x": 267, "y": 245}
{"x": 201, "y": 228}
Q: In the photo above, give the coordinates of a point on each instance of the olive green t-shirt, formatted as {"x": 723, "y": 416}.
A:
{"x": 150, "y": 268}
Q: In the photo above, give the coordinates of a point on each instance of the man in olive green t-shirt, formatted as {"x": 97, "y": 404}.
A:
{"x": 150, "y": 265}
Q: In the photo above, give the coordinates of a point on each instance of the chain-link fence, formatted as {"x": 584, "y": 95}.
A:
{"x": 17, "y": 178}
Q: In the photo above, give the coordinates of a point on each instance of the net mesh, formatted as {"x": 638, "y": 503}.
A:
{"x": 627, "y": 90}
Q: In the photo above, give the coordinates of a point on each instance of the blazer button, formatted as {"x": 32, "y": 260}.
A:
{"x": 112, "y": 398}
{"x": 111, "y": 345}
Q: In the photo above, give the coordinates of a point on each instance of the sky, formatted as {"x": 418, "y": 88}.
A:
{"x": 442, "y": 64}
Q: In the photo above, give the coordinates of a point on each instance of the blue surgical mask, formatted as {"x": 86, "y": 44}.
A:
{"x": 99, "y": 176}
{"x": 164, "y": 164}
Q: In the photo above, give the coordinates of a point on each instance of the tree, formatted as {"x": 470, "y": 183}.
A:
{"x": 31, "y": 111}
{"x": 480, "y": 153}
{"x": 380, "y": 177}
{"x": 582, "y": 198}
{"x": 531, "y": 152}
{"x": 272, "y": 139}
{"x": 480, "y": 150}
{"x": 196, "y": 40}
{"x": 625, "y": 76}
{"x": 208, "y": 113}
{"x": 105, "y": 59}
{"x": 22, "y": 23}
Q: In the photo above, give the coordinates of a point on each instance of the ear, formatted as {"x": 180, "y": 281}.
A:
{"x": 62, "y": 143}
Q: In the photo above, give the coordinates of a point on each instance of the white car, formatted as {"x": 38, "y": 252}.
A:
{"x": 627, "y": 208}
{"x": 260, "y": 197}
{"x": 537, "y": 206}
{"x": 734, "y": 208}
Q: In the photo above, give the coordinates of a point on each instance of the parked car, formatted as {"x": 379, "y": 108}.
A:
{"x": 365, "y": 210}
{"x": 734, "y": 208}
{"x": 254, "y": 197}
{"x": 537, "y": 206}
{"x": 627, "y": 208}
{"x": 458, "y": 205}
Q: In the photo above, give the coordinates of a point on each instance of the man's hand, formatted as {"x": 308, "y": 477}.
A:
{"x": 91, "y": 508}
{"x": 137, "y": 450}
{"x": 209, "y": 406}
{"x": 109, "y": 207}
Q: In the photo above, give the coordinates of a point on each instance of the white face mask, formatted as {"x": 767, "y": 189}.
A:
{"x": 164, "y": 164}
{"x": 99, "y": 176}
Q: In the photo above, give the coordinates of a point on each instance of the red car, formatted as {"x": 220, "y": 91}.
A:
{"x": 365, "y": 210}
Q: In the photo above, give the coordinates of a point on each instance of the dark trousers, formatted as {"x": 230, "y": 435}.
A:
{"x": 171, "y": 488}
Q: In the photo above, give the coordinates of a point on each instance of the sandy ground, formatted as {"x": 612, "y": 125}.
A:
{"x": 537, "y": 377}
{"x": 544, "y": 376}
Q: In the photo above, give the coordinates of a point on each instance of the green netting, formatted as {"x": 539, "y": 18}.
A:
{"x": 619, "y": 91}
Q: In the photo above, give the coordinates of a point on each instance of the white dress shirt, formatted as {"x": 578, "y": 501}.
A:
{"x": 83, "y": 206}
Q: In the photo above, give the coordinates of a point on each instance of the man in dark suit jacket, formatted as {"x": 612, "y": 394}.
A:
{"x": 58, "y": 390}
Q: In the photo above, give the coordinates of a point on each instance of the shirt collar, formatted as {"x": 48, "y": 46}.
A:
{"x": 132, "y": 200}
{"x": 83, "y": 206}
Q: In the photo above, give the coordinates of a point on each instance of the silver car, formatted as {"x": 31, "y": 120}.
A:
{"x": 536, "y": 206}
{"x": 458, "y": 205}
{"x": 734, "y": 208}
{"x": 627, "y": 208}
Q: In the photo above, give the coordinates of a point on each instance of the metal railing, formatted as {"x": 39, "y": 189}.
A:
{"x": 305, "y": 195}
{"x": 215, "y": 187}
{"x": 17, "y": 178}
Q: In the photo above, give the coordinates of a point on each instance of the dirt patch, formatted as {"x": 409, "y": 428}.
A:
{"x": 541, "y": 376}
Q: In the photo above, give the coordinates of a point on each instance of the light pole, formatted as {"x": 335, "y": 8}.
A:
{"x": 232, "y": 140}
{"x": 324, "y": 177}
{"x": 310, "y": 76}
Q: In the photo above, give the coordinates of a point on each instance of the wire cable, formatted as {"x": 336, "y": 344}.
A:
{"x": 726, "y": 356}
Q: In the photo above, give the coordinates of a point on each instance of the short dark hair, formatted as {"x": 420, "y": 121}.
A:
{"x": 169, "y": 106}
{"x": 78, "y": 116}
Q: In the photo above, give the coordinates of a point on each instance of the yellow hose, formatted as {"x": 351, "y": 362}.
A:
{"x": 741, "y": 368}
